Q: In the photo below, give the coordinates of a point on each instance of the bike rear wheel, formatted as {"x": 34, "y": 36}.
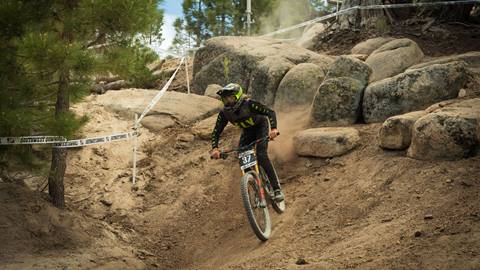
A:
{"x": 257, "y": 216}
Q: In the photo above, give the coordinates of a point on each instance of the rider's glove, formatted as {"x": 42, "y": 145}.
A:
{"x": 215, "y": 153}
{"x": 273, "y": 133}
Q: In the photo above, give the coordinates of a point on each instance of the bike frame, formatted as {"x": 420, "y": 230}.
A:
{"x": 256, "y": 169}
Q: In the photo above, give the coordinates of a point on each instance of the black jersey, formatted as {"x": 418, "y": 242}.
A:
{"x": 249, "y": 114}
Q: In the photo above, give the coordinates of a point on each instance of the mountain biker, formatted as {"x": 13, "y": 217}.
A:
{"x": 253, "y": 117}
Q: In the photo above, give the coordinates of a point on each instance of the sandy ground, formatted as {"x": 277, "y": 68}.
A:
{"x": 369, "y": 209}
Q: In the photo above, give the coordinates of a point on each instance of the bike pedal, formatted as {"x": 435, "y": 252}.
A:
{"x": 262, "y": 204}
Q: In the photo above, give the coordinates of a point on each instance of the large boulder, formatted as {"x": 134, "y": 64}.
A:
{"x": 212, "y": 90}
{"x": 349, "y": 66}
{"x": 361, "y": 57}
{"x": 159, "y": 122}
{"x": 171, "y": 108}
{"x": 337, "y": 102}
{"x": 203, "y": 129}
{"x": 470, "y": 58}
{"x": 472, "y": 61}
{"x": 413, "y": 90}
{"x": 393, "y": 58}
{"x": 451, "y": 132}
{"x": 325, "y": 142}
{"x": 298, "y": 87}
{"x": 307, "y": 40}
{"x": 338, "y": 99}
{"x": 258, "y": 64}
{"x": 370, "y": 45}
{"x": 396, "y": 131}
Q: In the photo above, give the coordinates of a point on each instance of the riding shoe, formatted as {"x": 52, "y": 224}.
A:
{"x": 278, "y": 196}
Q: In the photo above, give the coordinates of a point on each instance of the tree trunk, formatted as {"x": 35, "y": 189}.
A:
{"x": 199, "y": 24}
{"x": 362, "y": 18}
{"x": 59, "y": 155}
{"x": 223, "y": 18}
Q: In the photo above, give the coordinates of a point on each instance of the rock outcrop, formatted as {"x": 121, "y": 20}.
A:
{"x": 325, "y": 142}
{"x": 212, "y": 90}
{"x": 299, "y": 86}
{"x": 393, "y": 58}
{"x": 172, "y": 107}
{"x": 413, "y": 90}
{"x": 258, "y": 64}
{"x": 396, "y": 131}
{"x": 370, "y": 45}
{"x": 203, "y": 129}
{"x": 451, "y": 132}
{"x": 307, "y": 40}
{"x": 339, "y": 98}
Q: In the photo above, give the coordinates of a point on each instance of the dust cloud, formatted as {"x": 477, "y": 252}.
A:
{"x": 286, "y": 13}
{"x": 289, "y": 123}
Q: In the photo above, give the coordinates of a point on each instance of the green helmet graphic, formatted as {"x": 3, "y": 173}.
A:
{"x": 232, "y": 89}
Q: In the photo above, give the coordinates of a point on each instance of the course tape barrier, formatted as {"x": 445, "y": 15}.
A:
{"x": 157, "y": 97}
{"x": 61, "y": 142}
{"x": 348, "y": 10}
{"x": 96, "y": 140}
{"x": 32, "y": 140}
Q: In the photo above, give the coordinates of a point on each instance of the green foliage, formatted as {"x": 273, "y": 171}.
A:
{"x": 122, "y": 19}
{"x": 196, "y": 20}
{"x": 131, "y": 62}
{"x": 45, "y": 56}
{"x": 219, "y": 16}
{"x": 182, "y": 38}
{"x": 210, "y": 18}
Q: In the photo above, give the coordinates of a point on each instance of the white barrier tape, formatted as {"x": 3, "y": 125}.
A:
{"x": 323, "y": 18}
{"x": 160, "y": 94}
{"x": 96, "y": 140}
{"x": 419, "y": 4}
{"x": 186, "y": 72}
{"x": 31, "y": 140}
{"x": 319, "y": 19}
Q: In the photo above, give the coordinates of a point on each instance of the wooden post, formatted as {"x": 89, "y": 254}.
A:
{"x": 134, "y": 172}
{"x": 186, "y": 71}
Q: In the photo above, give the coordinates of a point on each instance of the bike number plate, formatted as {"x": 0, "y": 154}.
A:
{"x": 247, "y": 159}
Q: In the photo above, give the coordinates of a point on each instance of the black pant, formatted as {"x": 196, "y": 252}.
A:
{"x": 260, "y": 131}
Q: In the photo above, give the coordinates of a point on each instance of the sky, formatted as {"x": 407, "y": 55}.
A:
{"x": 172, "y": 10}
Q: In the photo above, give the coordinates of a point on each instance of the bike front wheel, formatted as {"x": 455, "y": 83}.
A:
{"x": 257, "y": 214}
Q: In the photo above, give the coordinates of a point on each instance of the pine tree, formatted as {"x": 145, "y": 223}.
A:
{"x": 182, "y": 39}
{"x": 208, "y": 18}
{"x": 220, "y": 14}
{"x": 196, "y": 23}
{"x": 22, "y": 102}
{"x": 54, "y": 60}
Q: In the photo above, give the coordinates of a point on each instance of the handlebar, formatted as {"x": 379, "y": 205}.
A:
{"x": 224, "y": 154}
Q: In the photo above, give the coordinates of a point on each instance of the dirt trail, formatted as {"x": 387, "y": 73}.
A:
{"x": 359, "y": 211}
{"x": 369, "y": 209}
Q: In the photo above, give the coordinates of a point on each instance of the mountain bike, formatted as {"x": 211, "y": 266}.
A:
{"x": 256, "y": 190}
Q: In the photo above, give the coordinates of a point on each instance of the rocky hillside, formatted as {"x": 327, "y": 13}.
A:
{"x": 378, "y": 157}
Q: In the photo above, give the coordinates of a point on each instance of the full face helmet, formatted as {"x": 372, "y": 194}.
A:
{"x": 234, "y": 91}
